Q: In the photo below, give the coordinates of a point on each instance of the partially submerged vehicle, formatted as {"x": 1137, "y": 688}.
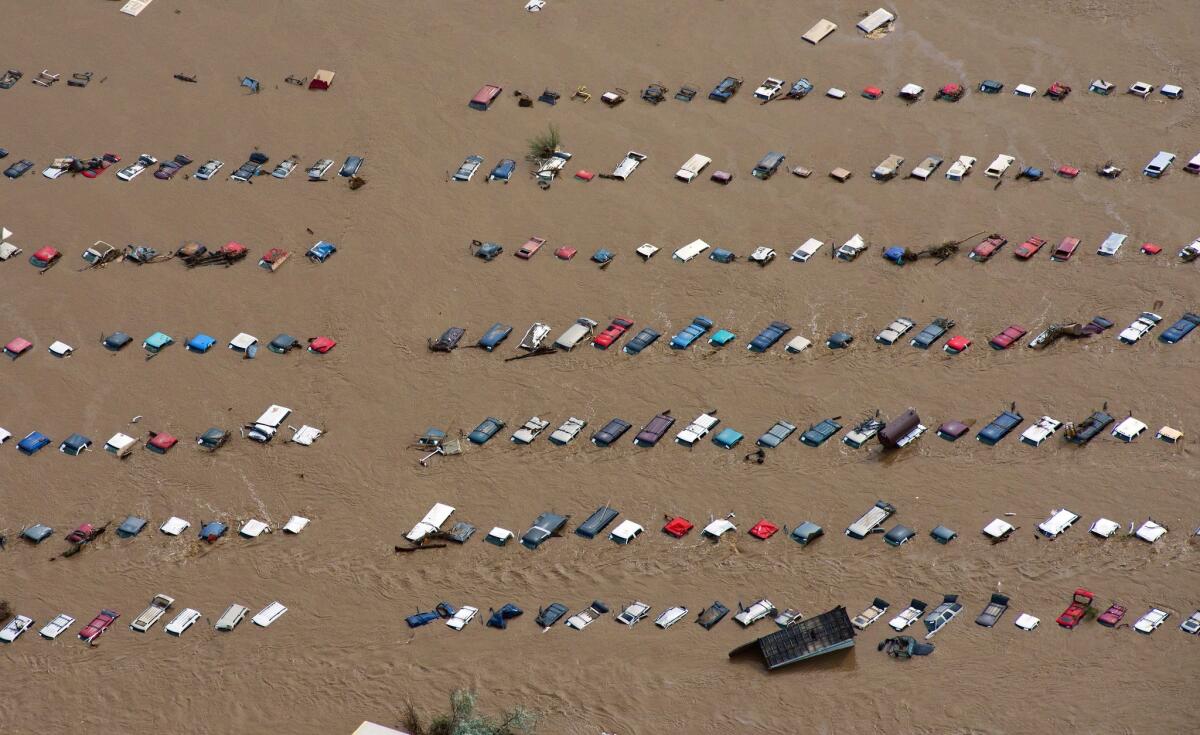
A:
{"x": 993, "y": 611}
{"x": 1081, "y": 603}
{"x": 910, "y": 615}
{"x": 747, "y": 616}
{"x": 586, "y": 617}
{"x": 941, "y": 615}
{"x": 871, "y": 520}
{"x": 874, "y": 612}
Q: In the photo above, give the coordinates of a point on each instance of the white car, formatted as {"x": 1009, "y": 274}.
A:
{"x": 530, "y": 431}
{"x": 269, "y": 614}
{"x": 926, "y": 168}
{"x": 628, "y": 165}
{"x": 1191, "y": 251}
{"x": 584, "y": 618}
{"x": 633, "y": 612}
{"x": 762, "y": 255}
{"x": 1149, "y": 622}
{"x": 670, "y": 616}
{"x": 960, "y": 168}
{"x": 15, "y": 628}
{"x": 1140, "y": 327}
{"x": 319, "y": 169}
{"x": 284, "y": 169}
{"x": 464, "y": 615}
{"x": 754, "y": 613}
{"x": 894, "y": 331}
{"x": 183, "y": 621}
{"x": 566, "y": 433}
{"x": 807, "y": 250}
{"x": 769, "y": 90}
{"x": 55, "y": 627}
{"x": 233, "y": 615}
{"x": 1041, "y": 431}
{"x": 209, "y": 169}
{"x": 697, "y": 430}
{"x": 997, "y": 167}
{"x": 133, "y": 170}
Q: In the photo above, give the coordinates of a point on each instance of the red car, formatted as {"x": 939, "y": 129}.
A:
{"x": 1065, "y": 249}
{"x": 565, "y": 253}
{"x": 530, "y": 248}
{"x": 605, "y": 339}
{"x": 1150, "y": 248}
{"x": 99, "y": 624}
{"x": 102, "y": 164}
{"x": 321, "y": 345}
{"x": 1080, "y": 604}
{"x": 1029, "y": 248}
{"x": 956, "y": 345}
{"x": 678, "y": 526}
{"x": 1068, "y": 172}
{"x": 1058, "y": 91}
{"x": 1112, "y": 615}
{"x": 764, "y": 529}
{"x": 989, "y": 247}
{"x": 872, "y": 93}
{"x": 1007, "y": 338}
{"x": 81, "y": 535}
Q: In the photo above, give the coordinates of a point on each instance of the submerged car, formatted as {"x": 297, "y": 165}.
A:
{"x": 485, "y": 431}
{"x": 618, "y": 327}
{"x": 725, "y": 89}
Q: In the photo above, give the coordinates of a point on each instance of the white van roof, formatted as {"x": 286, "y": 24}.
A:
{"x": 692, "y": 167}
{"x": 625, "y": 531}
{"x": 1058, "y": 522}
{"x": 819, "y": 31}
{"x": 254, "y": 528}
{"x": 295, "y": 524}
{"x": 997, "y": 528}
{"x": 274, "y": 416}
{"x": 1105, "y": 528}
{"x": 690, "y": 251}
{"x": 269, "y": 614}
{"x": 119, "y": 443}
{"x": 572, "y": 335}
{"x": 432, "y": 521}
{"x": 875, "y": 21}
{"x": 174, "y": 526}
{"x": 807, "y": 250}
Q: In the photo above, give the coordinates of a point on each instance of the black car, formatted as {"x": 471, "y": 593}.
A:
{"x": 1089, "y": 428}
{"x": 351, "y": 166}
{"x": 611, "y": 432}
{"x": 18, "y": 169}
{"x": 544, "y": 526}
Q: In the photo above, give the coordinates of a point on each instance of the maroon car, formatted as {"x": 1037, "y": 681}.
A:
{"x": 99, "y": 624}
{"x": 82, "y": 535}
{"x": 619, "y": 326}
{"x": 1065, "y": 249}
{"x": 167, "y": 169}
{"x": 655, "y": 430}
{"x": 1112, "y": 616}
{"x": 1008, "y": 337}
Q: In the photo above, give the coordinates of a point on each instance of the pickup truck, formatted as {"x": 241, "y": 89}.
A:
{"x": 158, "y": 607}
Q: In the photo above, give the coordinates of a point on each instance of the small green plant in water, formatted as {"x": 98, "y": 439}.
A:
{"x": 463, "y": 719}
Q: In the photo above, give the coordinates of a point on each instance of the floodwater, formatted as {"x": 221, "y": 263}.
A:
{"x": 403, "y": 273}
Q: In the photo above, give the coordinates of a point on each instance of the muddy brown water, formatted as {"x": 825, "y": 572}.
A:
{"x": 404, "y": 74}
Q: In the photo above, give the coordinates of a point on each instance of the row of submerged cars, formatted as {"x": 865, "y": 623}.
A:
{"x": 167, "y": 169}
{"x": 933, "y": 619}
{"x": 891, "y": 434}
{"x": 776, "y": 88}
{"x": 132, "y": 526}
{"x": 584, "y": 330}
{"x": 121, "y": 445}
{"x": 191, "y": 254}
{"x": 773, "y": 161}
{"x": 855, "y": 245}
{"x": 159, "y": 606}
{"x": 548, "y": 525}
{"x": 243, "y": 344}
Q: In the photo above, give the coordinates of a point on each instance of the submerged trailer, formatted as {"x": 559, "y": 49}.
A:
{"x": 828, "y": 632}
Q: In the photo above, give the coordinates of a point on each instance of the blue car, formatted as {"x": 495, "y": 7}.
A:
{"x": 33, "y": 443}
{"x": 485, "y": 431}
{"x": 1180, "y": 329}
{"x": 692, "y": 332}
{"x": 727, "y": 88}
{"x": 642, "y": 340}
{"x": 320, "y": 252}
{"x": 817, "y": 434}
{"x": 351, "y": 166}
{"x": 768, "y": 336}
{"x": 495, "y": 334}
{"x": 999, "y": 427}
{"x": 200, "y": 343}
{"x": 212, "y": 531}
{"x": 499, "y": 618}
{"x": 503, "y": 171}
